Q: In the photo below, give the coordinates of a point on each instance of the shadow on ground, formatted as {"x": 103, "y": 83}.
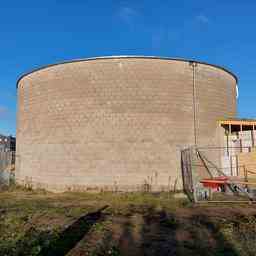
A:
{"x": 144, "y": 231}
{"x": 159, "y": 233}
{"x": 68, "y": 239}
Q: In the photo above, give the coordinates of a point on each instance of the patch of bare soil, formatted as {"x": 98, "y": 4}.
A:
{"x": 188, "y": 231}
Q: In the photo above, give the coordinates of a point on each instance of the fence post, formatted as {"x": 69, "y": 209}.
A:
{"x": 245, "y": 174}
{"x": 192, "y": 153}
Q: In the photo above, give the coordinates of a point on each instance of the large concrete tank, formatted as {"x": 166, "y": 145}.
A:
{"x": 117, "y": 122}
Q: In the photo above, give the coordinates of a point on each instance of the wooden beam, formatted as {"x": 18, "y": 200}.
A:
{"x": 237, "y": 165}
{"x": 241, "y": 182}
{"x": 231, "y": 165}
{"x": 237, "y": 122}
{"x": 228, "y": 182}
{"x": 231, "y": 202}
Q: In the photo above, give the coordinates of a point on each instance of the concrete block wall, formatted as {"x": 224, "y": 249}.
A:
{"x": 116, "y": 123}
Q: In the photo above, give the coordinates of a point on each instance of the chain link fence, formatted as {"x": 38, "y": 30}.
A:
{"x": 209, "y": 171}
{"x": 7, "y": 167}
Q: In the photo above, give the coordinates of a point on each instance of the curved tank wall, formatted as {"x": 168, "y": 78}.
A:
{"x": 117, "y": 122}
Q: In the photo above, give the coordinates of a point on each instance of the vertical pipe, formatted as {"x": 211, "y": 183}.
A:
{"x": 241, "y": 137}
{"x": 252, "y": 134}
{"x": 194, "y": 65}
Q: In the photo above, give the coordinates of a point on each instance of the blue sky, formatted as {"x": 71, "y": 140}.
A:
{"x": 35, "y": 33}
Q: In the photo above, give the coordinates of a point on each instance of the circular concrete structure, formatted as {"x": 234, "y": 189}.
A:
{"x": 117, "y": 122}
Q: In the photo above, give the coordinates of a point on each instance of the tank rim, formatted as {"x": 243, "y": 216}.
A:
{"x": 124, "y": 57}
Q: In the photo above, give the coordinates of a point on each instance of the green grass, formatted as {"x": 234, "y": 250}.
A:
{"x": 31, "y": 221}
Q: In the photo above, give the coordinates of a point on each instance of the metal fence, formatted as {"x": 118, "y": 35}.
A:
{"x": 204, "y": 169}
{"x": 186, "y": 165}
{"x": 7, "y": 166}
